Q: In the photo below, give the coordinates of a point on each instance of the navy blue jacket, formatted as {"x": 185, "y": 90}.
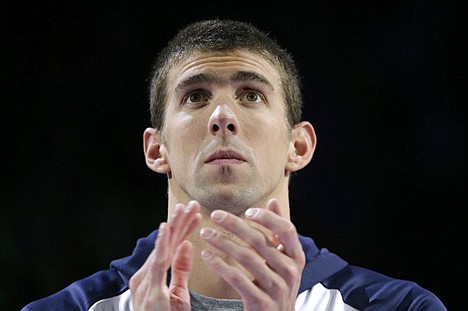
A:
{"x": 328, "y": 283}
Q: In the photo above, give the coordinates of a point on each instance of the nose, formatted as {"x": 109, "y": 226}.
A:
{"x": 223, "y": 121}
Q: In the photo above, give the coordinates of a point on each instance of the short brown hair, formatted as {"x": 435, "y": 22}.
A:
{"x": 224, "y": 35}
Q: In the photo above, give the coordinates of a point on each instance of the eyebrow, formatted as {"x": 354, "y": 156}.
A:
{"x": 197, "y": 79}
{"x": 239, "y": 76}
{"x": 242, "y": 76}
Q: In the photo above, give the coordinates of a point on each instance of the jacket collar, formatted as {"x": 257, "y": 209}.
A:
{"x": 320, "y": 263}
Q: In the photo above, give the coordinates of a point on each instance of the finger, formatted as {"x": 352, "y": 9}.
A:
{"x": 168, "y": 239}
{"x": 247, "y": 257}
{"x": 159, "y": 261}
{"x": 248, "y": 234}
{"x": 283, "y": 264}
{"x": 182, "y": 222}
{"x": 181, "y": 269}
{"x": 281, "y": 227}
{"x": 248, "y": 291}
{"x": 192, "y": 211}
{"x": 273, "y": 205}
{"x": 149, "y": 283}
{"x": 149, "y": 280}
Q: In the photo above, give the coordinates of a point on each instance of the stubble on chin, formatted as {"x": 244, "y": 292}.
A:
{"x": 232, "y": 198}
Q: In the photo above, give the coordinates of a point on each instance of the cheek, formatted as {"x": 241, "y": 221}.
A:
{"x": 184, "y": 136}
{"x": 271, "y": 143}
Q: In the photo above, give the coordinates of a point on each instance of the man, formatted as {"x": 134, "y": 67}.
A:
{"x": 227, "y": 132}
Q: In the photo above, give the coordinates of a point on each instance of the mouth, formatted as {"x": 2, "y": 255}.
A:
{"x": 224, "y": 157}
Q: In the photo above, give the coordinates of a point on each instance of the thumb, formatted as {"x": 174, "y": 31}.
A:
{"x": 181, "y": 269}
{"x": 273, "y": 206}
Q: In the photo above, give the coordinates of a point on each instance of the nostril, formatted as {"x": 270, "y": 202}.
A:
{"x": 215, "y": 127}
{"x": 230, "y": 127}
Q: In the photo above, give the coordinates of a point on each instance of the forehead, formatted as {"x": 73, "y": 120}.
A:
{"x": 224, "y": 64}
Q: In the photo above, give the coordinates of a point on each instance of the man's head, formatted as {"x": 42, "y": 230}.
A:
{"x": 224, "y": 35}
{"x": 226, "y": 114}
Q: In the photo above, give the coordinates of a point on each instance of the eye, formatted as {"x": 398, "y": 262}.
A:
{"x": 196, "y": 98}
{"x": 252, "y": 97}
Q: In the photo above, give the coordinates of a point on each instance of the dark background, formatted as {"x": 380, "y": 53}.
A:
{"x": 384, "y": 87}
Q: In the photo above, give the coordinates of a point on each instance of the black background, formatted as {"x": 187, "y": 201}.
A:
{"x": 384, "y": 88}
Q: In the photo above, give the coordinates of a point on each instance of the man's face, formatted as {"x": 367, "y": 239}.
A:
{"x": 225, "y": 136}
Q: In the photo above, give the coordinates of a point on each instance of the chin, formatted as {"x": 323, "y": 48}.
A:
{"x": 228, "y": 199}
{"x": 227, "y": 203}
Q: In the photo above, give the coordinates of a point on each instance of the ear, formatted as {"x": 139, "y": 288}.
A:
{"x": 303, "y": 142}
{"x": 155, "y": 152}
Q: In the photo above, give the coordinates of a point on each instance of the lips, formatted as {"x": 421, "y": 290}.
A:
{"x": 225, "y": 156}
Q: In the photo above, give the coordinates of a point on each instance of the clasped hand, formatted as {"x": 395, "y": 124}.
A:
{"x": 274, "y": 262}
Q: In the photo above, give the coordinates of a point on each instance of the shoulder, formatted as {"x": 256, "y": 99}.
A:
{"x": 102, "y": 285}
{"x": 330, "y": 280}
{"x": 363, "y": 288}
{"x": 82, "y": 294}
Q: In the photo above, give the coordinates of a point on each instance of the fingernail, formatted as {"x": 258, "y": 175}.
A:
{"x": 218, "y": 216}
{"x": 175, "y": 211}
{"x": 252, "y": 212}
{"x": 207, "y": 233}
{"x": 280, "y": 247}
{"x": 206, "y": 254}
{"x": 162, "y": 227}
{"x": 189, "y": 207}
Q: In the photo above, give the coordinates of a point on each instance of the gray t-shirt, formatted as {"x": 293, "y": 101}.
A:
{"x": 205, "y": 303}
